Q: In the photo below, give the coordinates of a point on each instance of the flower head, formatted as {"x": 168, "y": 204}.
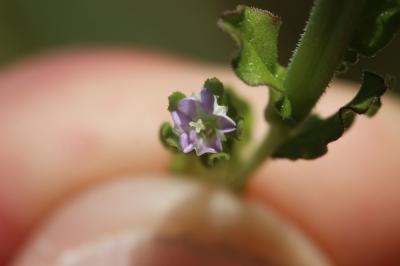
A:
{"x": 201, "y": 123}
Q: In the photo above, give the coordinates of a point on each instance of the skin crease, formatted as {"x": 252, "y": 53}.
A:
{"x": 71, "y": 119}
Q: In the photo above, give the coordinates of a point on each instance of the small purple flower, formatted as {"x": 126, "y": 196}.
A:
{"x": 201, "y": 123}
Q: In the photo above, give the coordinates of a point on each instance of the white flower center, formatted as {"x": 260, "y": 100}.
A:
{"x": 198, "y": 126}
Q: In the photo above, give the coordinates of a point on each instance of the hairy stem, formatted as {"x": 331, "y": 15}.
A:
{"x": 320, "y": 50}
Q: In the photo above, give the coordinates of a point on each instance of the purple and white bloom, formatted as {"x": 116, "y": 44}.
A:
{"x": 201, "y": 123}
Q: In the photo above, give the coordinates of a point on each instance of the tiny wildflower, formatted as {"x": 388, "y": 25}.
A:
{"x": 201, "y": 123}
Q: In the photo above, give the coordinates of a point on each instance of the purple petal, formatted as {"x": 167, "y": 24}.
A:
{"x": 186, "y": 145}
{"x": 226, "y": 124}
{"x": 193, "y": 141}
{"x": 215, "y": 144}
{"x": 201, "y": 149}
{"x": 207, "y": 100}
{"x": 181, "y": 121}
{"x": 188, "y": 107}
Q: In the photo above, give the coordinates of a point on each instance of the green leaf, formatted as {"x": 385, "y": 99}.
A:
{"x": 168, "y": 137}
{"x": 379, "y": 23}
{"x": 311, "y": 139}
{"x": 256, "y": 33}
{"x": 174, "y": 100}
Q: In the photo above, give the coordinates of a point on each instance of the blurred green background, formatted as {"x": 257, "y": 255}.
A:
{"x": 177, "y": 26}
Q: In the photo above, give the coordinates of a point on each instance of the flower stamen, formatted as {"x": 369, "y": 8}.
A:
{"x": 198, "y": 126}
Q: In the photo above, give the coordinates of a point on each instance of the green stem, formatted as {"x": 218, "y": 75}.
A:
{"x": 274, "y": 137}
{"x": 320, "y": 50}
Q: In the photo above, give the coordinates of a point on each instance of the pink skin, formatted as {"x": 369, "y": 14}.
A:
{"x": 69, "y": 120}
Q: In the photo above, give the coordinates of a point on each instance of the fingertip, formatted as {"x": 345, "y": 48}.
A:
{"x": 161, "y": 220}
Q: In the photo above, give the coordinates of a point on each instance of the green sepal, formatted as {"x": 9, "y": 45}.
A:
{"x": 169, "y": 138}
{"x": 216, "y": 87}
{"x": 212, "y": 159}
{"x": 311, "y": 139}
{"x": 174, "y": 99}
